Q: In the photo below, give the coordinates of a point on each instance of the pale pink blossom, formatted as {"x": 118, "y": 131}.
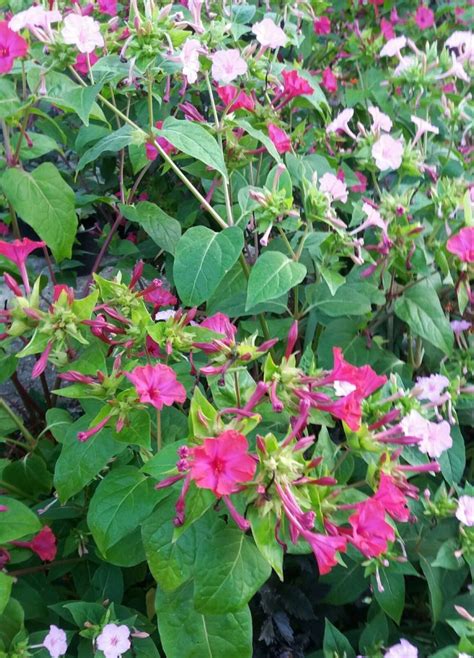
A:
{"x": 437, "y": 439}
{"x": 373, "y": 219}
{"x": 405, "y": 64}
{"x": 431, "y": 388}
{"x": 37, "y": 20}
{"x": 387, "y": 152}
{"x": 55, "y": 642}
{"x": 393, "y": 47}
{"x": 114, "y": 640}
{"x": 380, "y": 120}
{"x": 402, "y": 650}
{"x": 458, "y": 326}
{"x": 227, "y": 65}
{"x": 422, "y": 127}
{"x": 465, "y": 510}
{"x": 456, "y": 71}
{"x": 336, "y": 188}
{"x": 189, "y": 58}
{"x": 463, "y": 43}
{"x": 82, "y": 32}
{"x": 341, "y": 122}
{"x": 268, "y": 34}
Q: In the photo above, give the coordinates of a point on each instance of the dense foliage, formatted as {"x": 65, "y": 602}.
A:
{"x": 237, "y": 248}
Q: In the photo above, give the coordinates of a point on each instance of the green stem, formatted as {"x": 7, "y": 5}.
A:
{"x": 158, "y": 431}
{"x": 19, "y": 423}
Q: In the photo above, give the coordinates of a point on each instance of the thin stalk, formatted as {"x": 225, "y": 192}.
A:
{"x": 26, "y": 398}
{"x": 30, "y": 439}
{"x": 159, "y": 439}
{"x": 103, "y": 250}
{"x": 43, "y": 567}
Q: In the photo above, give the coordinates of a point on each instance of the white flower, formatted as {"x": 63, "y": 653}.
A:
{"x": 189, "y": 58}
{"x": 164, "y": 315}
{"x": 387, "y": 152}
{"x": 436, "y": 440}
{"x": 422, "y": 127}
{"x": 114, "y": 640}
{"x": 227, "y": 65}
{"x": 393, "y": 47}
{"x": 465, "y": 510}
{"x": 341, "y": 122}
{"x": 268, "y": 34}
{"x": 464, "y": 44}
{"x": 380, "y": 120}
{"x": 83, "y": 32}
{"x": 402, "y": 650}
{"x": 334, "y": 187}
{"x": 55, "y": 642}
{"x": 33, "y": 19}
{"x": 430, "y": 388}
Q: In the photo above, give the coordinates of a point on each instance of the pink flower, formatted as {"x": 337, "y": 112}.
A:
{"x": 387, "y": 152}
{"x": 114, "y": 640}
{"x": 108, "y": 7}
{"x": 227, "y": 65}
{"x": 222, "y": 464}
{"x": 37, "y": 20}
{"x": 336, "y": 189}
{"x": 82, "y": 32}
{"x": 424, "y": 17}
{"x": 393, "y": 47}
{"x": 235, "y": 98}
{"x": 55, "y": 642}
{"x": 380, "y": 121}
{"x": 329, "y": 80}
{"x": 422, "y": 127}
{"x": 11, "y": 47}
{"x": 386, "y": 28}
{"x": 189, "y": 58}
{"x": 322, "y": 25}
{"x": 458, "y": 326}
{"x": 402, "y": 650}
{"x": 81, "y": 64}
{"x": 461, "y": 244}
{"x": 18, "y": 251}
{"x": 157, "y": 385}
{"x": 43, "y": 544}
{"x": 373, "y": 219}
{"x": 341, "y": 123}
{"x": 362, "y": 185}
{"x": 295, "y": 85}
{"x": 280, "y": 139}
{"x": 221, "y": 324}
{"x": 370, "y": 532}
{"x": 365, "y": 380}
{"x": 392, "y": 499}
{"x": 465, "y": 510}
{"x": 156, "y": 294}
{"x": 436, "y": 439}
{"x": 430, "y": 388}
{"x": 324, "y": 549}
{"x": 268, "y": 34}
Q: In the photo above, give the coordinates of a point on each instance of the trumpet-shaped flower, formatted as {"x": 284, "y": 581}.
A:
{"x": 82, "y": 32}
{"x": 335, "y": 188}
{"x": 280, "y": 139}
{"x": 11, "y": 47}
{"x": 55, "y": 642}
{"x": 17, "y": 252}
{"x": 402, "y": 650}
{"x": 114, "y": 640}
{"x": 465, "y": 510}
{"x": 268, "y": 34}
{"x": 387, "y": 152}
{"x": 227, "y": 65}
{"x": 157, "y": 385}
{"x": 462, "y": 244}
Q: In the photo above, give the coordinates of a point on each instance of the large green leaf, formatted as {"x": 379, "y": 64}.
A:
{"x": 121, "y": 502}
{"x": 272, "y": 275}
{"x": 453, "y": 461}
{"x": 194, "y": 140}
{"x": 335, "y": 643}
{"x": 263, "y": 531}
{"x": 45, "y": 202}
{"x": 9, "y": 101}
{"x": 391, "y": 597}
{"x": 162, "y": 229}
{"x": 421, "y": 309}
{"x": 111, "y": 143}
{"x": 347, "y": 300}
{"x": 18, "y": 520}
{"x": 79, "y": 462}
{"x": 186, "y": 633}
{"x": 229, "y": 570}
{"x": 202, "y": 259}
{"x": 82, "y": 99}
{"x": 6, "y": 583}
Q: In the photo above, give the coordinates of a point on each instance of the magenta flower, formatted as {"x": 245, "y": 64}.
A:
{"x": 329, "y": 81}
{"x": 268, "y": 34}
{"x": 222, "y": 464}
{"x": 325, "y": 549}
{"x": 82, "y": 32}
{"x": 114, "y": 640}
{"x": 294, "y": 85}
{"x": 387, "y": 30}
{"x": 227, "y": 65}
{"x": 461, "y": 244}
{"x": 157, "y": 385}
{"x": 221, "y": 324}
{"x": 391, "y": 498}
{"x": 465, "y": 510}
{"x": 55, "y": 642}
{"x": 81, "y": 64}
{"x": 11, "y": 47}
{"x": 424, "y": 17}
{"x": 370, "y": 531}
{"x": 17, "y": 252}
{"x": 279, "y": 137}
{"x": 362, "y": 185}
{"x": 387, "y": 152}
{"x": 322, "y": 25}
{"x": 43, "y": 544}
{"x": 235, "y": 98}
{"x": 107, "y": 7}
{"x": 152, "y": 151}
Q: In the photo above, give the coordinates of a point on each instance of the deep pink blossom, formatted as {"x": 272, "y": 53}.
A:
{"x": 392, "y": 498}
{"x": 158, "y": 295}
{"x": 325, "y": 549}
{"x": 387, "y": 30}
{"x": 81, "y": 65}
{"x": 11, "y": 47}
{"x": 220, "y": 324}
{"x": 222, "y": 464}
{"x": 365, "y": 380}
{"x": 157, "y": 385}
{"x": 322, "y": 25}
{"x": 279, "y": 137}
{"x": 18, "y": 251}
{"x": 152, "y": 151}
{"x": 107, "y": 7}
{"x": 43, "y": 544}
{"x": 295, "y": 85}
{"x": 362, "y": 185}
{"x": 329, "y": 80}
{"x": 424, "y": 17}
{"x": 370, "y": 531}
{"x": 235, "y": 98}
{"x": 462, "y": 244}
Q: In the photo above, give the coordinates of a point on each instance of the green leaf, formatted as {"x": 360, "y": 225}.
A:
{"x": 229, "y": 570}
{"x": 39, "y": 145}
{"x": 45, "y": 202}
{"x": 112, "y": 143}
{"x": 11, "y": 623}
{"x": 375, "y": 633}
{"x": 261, "y": 137}
{"x": 420, "y": 308}
{"x": 194, "y": 140}
{"x": 82, "y": 99}
{"x": 6, "y": 583}
{"x": 171, "y": 562}
{"x": 433, "y": 578}
{"x": 28, "y": 475}
{"x": 18, "y": 520}
{"x": 186, "y": 633}
{"x": 121, "y": 502}
{"x": 392, "y": 598}
{"x": 346, "y": 300}
{"x": 164, "y": 230}
{"x": 79, "y": 462}
{"x": 335, "y": 644}
{"x": 346, "y": 583}
{"x": 453, "y": 461}
{"x": 263, "y": 531}
{"x": 9, "y": 101}
{"x": 202, "y": 259}
{"x": 272, "y": 275}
